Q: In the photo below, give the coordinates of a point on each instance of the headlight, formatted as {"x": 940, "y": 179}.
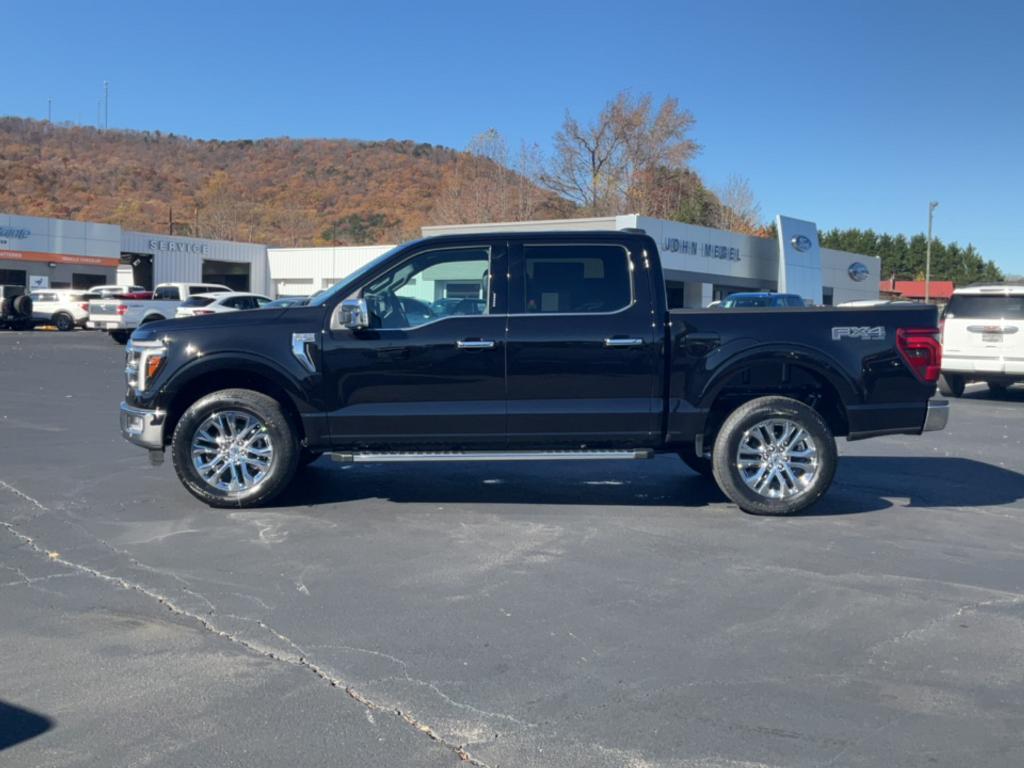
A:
{"x": 143, "y": 361}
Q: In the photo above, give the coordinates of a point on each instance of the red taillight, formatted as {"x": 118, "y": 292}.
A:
{"x": 84, "y": 306}
{"x": 122, "y": 309}
{"x": 921, "y": 349}
{"x": 202, "y": 311}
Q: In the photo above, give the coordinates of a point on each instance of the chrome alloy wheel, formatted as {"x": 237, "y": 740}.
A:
{"x": 777, "y": 459}
{"x": 232, "y": 451}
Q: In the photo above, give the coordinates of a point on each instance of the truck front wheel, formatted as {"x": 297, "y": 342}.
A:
{"x": 774, "y": 456}
{"x": 235, "y": 448}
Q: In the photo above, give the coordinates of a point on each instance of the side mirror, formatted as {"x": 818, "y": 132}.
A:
{"x": 354, "y": 314}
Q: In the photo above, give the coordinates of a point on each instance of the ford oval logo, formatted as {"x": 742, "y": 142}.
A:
{"x": 858, "y": 272}
{"x": 802, "y": 243}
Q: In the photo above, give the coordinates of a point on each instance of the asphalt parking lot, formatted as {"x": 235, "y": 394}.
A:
{"x": 614, "y": 614}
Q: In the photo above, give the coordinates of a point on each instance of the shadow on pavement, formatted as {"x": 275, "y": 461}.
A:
{"x": 1014, "y": 394}
{"x": 18, "y": 725}
{"x": 862, "y": 484}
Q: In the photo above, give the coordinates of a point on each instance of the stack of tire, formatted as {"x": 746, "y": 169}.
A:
{"x": 16, "y": 312}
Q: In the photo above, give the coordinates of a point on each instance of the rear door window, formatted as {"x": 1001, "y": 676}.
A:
{"x": 985, "y": 307}
{"x": 576, "y": 279}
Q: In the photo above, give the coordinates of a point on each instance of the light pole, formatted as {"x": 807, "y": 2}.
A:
{"x": 928, "y": 253}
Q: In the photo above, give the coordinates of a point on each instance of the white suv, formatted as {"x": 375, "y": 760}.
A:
{"x": 983, "y": 338}
{"x": 60, "y": 307}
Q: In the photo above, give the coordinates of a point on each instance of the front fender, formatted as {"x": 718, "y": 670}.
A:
{"x": 300, "y": 386}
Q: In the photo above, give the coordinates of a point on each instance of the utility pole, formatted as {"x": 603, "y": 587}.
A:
{"x": 928, "y": 253}
{"x": 106, "y": 104}
{"x": 49, "y": 109}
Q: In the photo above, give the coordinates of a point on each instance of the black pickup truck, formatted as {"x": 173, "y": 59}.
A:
{"x": 554, "y": 346}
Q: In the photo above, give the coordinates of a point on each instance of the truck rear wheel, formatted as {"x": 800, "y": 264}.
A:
{"x": 235, "y": 448}
{"x": 952, "y": 384}
{"x": 774, "y": 456}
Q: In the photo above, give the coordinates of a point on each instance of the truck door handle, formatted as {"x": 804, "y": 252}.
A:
{"x": 622, "y": 341}
{"x": 474, "y": 344}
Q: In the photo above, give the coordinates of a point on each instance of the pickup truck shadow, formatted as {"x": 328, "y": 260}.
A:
{"x": 862, "y": 484}
{"x": 18, "y": 725}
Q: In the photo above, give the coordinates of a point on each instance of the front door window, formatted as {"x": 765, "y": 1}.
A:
{"x": 431, "y": 286}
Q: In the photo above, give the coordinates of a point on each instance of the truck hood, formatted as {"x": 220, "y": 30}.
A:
{"x": 181, "y": 327}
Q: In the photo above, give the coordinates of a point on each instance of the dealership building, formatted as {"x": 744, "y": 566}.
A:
{"x": 56, "y": 253}
{"x": 701, "y": 264}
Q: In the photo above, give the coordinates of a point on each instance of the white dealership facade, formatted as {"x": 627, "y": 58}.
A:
{"x": 701, "y": 264}
{"x": 57, "y": 253}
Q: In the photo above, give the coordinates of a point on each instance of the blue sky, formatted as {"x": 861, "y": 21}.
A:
{"x": 846, "y": 113}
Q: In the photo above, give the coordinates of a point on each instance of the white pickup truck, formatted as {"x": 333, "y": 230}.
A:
{"x": 120, "y": 315}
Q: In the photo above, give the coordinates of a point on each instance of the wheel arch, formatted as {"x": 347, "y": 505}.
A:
{"x": 801, "y": 373}
{"x": 206, "y": 375}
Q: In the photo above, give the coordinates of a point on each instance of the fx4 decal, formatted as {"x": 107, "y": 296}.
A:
{"x": 859, "y": 332}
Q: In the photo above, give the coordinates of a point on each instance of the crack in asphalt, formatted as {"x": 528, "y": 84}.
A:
{"x": 298, "y": 660}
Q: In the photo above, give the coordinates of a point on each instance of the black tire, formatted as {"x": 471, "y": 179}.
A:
{"x": 699, "y": 464}
{"x": 121, "y": 337}
{"x": 22, "y": 305}
{"x": 64, "y": 321}
{"x": 279, "y": 431}
{"x": 729, "y": 477}
{"x": 997, "y": 388}
{"x": 952, "y": 384}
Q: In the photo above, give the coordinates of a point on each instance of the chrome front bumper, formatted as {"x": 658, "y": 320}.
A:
{"x": 142, "y": 427}
{"x": 936, "y": 416}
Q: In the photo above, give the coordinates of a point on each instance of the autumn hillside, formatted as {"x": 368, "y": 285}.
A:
{"x": 277, "y": 191}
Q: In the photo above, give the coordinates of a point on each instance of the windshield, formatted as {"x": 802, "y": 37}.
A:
{"x": 343, "y": 288}
{"x": 990, "y": 307}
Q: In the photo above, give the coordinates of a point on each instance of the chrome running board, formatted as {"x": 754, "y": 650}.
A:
{"x": 371, "y": 457}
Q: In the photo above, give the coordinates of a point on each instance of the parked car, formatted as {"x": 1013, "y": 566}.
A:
{"x": 574, "y": 356}
{"x": 106, "y": 291}
{"x": 761, "y": 300}
{"x": 64, "y": 308}
{"x": 120, "y": 315}
{"x": 983, "y": 338}
{"x": 875, "y": 302}
{"x": 221, "y": 301}
{"x": 15, "y": 307}
{"x": 287, "y": 301}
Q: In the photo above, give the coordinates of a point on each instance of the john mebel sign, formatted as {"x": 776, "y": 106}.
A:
{"x": 693, "y": 248}
{"x": 179, "y": 246}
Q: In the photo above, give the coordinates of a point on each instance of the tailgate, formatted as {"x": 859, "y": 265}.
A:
{"x": 104, "y": 314}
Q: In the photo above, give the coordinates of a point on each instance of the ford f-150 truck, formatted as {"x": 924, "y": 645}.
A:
{"x": 530, "y": 346}
{"x": 120, "y": 315}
